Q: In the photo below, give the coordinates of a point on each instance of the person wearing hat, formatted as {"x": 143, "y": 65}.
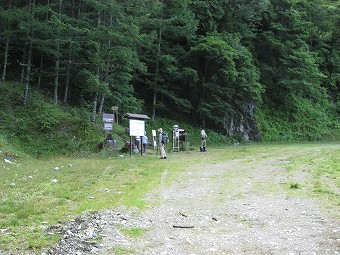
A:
{"x": 204, "y": 136}
{"x": 161, "y": 143}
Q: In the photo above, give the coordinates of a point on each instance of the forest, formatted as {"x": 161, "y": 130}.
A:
{"x": 262, "y": 69}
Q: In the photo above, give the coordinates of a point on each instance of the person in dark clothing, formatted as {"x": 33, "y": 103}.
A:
{"x": 161, "y": 143}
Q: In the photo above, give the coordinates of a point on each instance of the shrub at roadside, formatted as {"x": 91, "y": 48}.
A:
{"x": 43, "y": 129}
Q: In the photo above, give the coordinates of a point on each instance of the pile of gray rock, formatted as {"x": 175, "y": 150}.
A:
{"x": 79, "y": 236}
{"x": 94, "y": 232}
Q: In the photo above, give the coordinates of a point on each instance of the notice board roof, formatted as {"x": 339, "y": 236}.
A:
{"x": 136, "y": 116}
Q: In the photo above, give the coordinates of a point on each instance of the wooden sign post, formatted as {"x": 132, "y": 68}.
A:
{"x": 115, "y": 113}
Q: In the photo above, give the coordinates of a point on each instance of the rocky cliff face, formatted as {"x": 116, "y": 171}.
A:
{"x": 243, "y": 123}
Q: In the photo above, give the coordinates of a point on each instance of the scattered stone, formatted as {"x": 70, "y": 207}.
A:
{"x": 54, "y": 180}
{"x": 56, "y": 168}
{"x": 8, "y": 161}
{"x": 43, "y": 227}
{"x": 78, "y": 235}
{"x": 94, "y": 250}
{"x": 12, "y": 184}
{"x": 90, "y": 232}
{"x": 244, "y": 221}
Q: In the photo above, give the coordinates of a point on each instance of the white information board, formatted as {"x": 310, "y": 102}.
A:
{"x": 108, "y": 126}
{"x": 137, "y": 127}
{"x": 108, "y": 117}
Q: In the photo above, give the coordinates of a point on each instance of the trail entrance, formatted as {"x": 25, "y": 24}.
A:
{"x": 236, "y": 207}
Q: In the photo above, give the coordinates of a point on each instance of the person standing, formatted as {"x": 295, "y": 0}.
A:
{"x": 145, "y": 140}
{"x": 161, "y": 143}
{"x": 204, "y": 136}
{"x": 137, "y": 141}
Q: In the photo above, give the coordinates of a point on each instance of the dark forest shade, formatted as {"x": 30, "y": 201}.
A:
{"x": 204, "y": 61}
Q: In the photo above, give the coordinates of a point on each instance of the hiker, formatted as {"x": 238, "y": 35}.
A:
{"x": 109, "y": 137}
{"x": 137, "y": 141}
{"x": 109, "y": 142}
{"x": 204, "y": 136}
{"x": 161, "y": 143}
{"x": 145, "y": 140}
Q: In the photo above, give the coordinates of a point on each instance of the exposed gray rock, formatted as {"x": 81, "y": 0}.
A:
{"x": 242, "y": 123}
{"x": 79, "y": 236}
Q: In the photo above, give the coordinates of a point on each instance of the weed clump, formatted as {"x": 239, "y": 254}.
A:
{"x": 294, "y": 185}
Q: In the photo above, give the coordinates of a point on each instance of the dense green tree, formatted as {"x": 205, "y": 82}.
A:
{"x": 179, "y": 58}
{"x": 212, "y": 15}
{"x": 8, "y": 16}
{"x": 170, "y": 32}
{"x": 284, "y": 54}
{"x": 227, "y": 78}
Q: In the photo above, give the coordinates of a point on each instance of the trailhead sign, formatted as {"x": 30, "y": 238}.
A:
{"x": 137, "y": 127}
{"x": 108, "y": 120}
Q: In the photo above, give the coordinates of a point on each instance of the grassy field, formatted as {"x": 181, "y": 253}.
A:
{"x": 38, "y": 193}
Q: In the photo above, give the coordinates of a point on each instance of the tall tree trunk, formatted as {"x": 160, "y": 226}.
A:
{"x": 94, "y": 107}
{"x": 69, "y": 65}
{"x": 28, "y": 71}
{"x": 40, "y": 71}
{"x": 154, "y": 101}
{"x": 5, "y": 60}
{"x": 56, "y": 80}
{"x": 67, "y": 83}
{"x": 108, "y": 62}
{"x": 101, "y": 105}
{"x": 95, "y": 103}
{"x": 42, "y": 56}
{"x": 24, "y": 60}
{"x": 29, "y": 55}
{"x": 57, "y": 63}
{"x": 6, "y": 54}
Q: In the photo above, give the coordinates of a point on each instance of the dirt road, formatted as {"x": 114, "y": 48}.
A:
{"x": 236, "y": 207}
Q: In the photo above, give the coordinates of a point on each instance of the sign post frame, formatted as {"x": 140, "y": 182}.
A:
{"x": 136, "y": 127}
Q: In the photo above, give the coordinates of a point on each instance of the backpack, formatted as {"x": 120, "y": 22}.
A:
{"x": 165, "y": 137}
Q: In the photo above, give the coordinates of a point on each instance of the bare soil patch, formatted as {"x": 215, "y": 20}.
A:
{"x": 236, "y": 207}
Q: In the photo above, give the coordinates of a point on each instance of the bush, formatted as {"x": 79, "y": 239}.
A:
{"x": 308, "y": 122}
{"x": 43, "y": 129}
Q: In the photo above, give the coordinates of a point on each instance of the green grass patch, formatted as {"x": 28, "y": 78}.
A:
{"x": 294, "y": 185}
{"x": 62, "y": 188}
{"x": 134, "y": 232}
{"x": 322, "y": 167}
{"x": 120, "y": 250}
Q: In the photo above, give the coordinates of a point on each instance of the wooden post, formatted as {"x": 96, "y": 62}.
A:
{"x": 130, "y": 146}
{"x": 115, "y": 113}
{"x": 141, "y": 146}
